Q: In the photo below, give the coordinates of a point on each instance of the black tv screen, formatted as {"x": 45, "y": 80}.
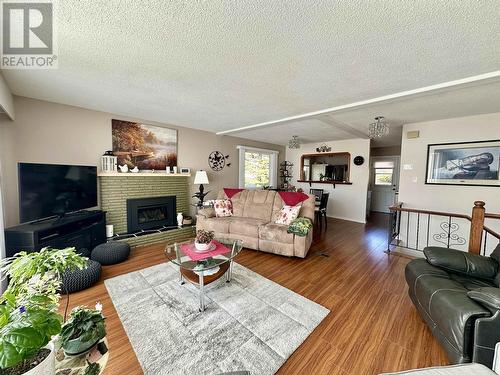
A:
{"x": 49, "y": 189}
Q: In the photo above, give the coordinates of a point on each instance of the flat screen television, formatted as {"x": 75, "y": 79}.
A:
{"x": 47, "y": 190}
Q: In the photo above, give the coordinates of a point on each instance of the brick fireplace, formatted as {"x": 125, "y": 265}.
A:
{"x": 116, "y": 189}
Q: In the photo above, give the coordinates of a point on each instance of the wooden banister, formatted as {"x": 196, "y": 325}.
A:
{"x": 476, "y": 227}
{"x": 398, "y": 207}
{"x": 477, "y": 222}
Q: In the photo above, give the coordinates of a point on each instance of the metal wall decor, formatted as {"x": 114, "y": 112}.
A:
{"x": 323, "y": 148}
{"x": 448, "y": 237}
{"x": 217, "y": 161}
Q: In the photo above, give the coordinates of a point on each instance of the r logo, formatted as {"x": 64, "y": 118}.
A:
{"x": 27, "y": 28}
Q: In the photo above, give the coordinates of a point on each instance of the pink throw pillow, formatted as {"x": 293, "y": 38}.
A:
{"x": 223, "y": 208}
{"x": 288, "y": 214}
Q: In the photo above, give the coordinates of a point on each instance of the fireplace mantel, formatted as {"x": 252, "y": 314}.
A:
{"x": 142, "y": 174}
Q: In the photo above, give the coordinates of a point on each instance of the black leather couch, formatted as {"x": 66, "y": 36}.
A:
{"x": 458, "y": 296}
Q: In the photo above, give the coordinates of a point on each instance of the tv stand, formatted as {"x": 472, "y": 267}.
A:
{"x": 83, "y": 230}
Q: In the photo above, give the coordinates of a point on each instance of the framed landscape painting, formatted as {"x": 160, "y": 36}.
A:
{"x": 466, "y": 163}
{"x": 144, "y": 146}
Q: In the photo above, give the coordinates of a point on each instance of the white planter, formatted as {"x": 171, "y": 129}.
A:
{"x": 47, "y": 366}
{"x": 202, "y": 246}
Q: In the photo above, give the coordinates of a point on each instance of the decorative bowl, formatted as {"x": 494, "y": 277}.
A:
{"x": 202, "y": 246}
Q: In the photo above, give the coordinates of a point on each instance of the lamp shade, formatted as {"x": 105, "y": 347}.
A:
{"x": 201, "y": 178}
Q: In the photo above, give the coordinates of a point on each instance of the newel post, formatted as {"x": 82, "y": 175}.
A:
{"x": 476, "y": 227}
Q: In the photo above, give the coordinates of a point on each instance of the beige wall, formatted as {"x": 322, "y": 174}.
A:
{"x": 412, "y": 188}
{"x": 6, "y": 99}
{"x": 413, "y": 191}
{"x": 386, "y": 151}
{"x": 47, "y": 132}
{"x": 346, "y": 201}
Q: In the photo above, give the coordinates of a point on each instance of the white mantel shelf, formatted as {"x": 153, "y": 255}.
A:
{"x": 142, "y": 174}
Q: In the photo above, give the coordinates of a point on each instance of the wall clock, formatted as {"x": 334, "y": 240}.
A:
{"x": 359, "y": 160}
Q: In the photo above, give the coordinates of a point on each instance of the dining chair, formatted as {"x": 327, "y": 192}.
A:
{"x": 316, "y": 192}
{"x": 320, "y": 210}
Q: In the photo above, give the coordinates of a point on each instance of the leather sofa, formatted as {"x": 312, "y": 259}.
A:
{"x": 458, "y": 296}
{"x": 254, "y": 214}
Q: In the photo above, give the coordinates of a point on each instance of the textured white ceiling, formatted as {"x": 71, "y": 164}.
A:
{"x": 219, "y": 65}
{"x": 466, "y": 100}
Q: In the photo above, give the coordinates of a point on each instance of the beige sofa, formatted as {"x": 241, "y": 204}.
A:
{"x": 254, "y": 214}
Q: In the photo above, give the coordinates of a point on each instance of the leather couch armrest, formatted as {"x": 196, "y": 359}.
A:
{"x": 461, "y": 262}
{"x": 206, "y": 212}
{"x": 488, "y": 297}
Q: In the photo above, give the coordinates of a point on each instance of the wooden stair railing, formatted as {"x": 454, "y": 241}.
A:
{"x": 477, "y": 219}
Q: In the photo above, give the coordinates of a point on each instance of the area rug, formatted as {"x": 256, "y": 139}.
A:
{"x": 250, "y": 323}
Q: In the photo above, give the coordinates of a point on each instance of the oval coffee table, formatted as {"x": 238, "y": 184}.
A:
{"x": 204, "y": 268}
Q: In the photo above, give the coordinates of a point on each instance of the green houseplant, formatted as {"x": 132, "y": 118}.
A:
{"x": 83, "y": 330}
{"x": 28, "y": 308}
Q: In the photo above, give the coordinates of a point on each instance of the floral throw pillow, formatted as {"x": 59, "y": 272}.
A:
{"x": 288, "y": 214}
{"x": 223, "y": 207}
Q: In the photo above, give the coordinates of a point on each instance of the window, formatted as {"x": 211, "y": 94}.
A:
{"x": 258, "y": 167}
{"x": 384, "y": 171}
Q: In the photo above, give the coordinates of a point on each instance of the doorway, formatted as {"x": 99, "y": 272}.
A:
{"x": 384, "y": 182}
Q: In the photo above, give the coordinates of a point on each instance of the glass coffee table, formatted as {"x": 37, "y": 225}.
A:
{"x": 203, "y": 268}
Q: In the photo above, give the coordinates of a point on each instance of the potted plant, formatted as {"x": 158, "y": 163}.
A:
{"x": 203, "y": 239}
{"x": 28, "y": 309}
{"x": 84, "y": 329}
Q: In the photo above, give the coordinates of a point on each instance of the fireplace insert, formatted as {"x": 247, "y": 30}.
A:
{"x": 150, "y": 213}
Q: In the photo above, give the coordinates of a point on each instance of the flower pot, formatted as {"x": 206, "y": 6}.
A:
{"x": 202, "y": 246}
{"x": 47, "y": 366}
{"x": 77, "y": 346}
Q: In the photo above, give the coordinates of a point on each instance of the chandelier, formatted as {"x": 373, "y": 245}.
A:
{"x": 379, "y": 128}
{"x": 294, "y": 142}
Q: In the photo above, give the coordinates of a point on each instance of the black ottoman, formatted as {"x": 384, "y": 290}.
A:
{"x": 111, "y": 252}
{"x": 73, "y": 281}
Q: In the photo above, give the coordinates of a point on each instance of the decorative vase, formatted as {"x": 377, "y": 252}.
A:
{"x": 47, "y": 366}
{"x": 202, "y": 246}
{"x": 180, "y": 217}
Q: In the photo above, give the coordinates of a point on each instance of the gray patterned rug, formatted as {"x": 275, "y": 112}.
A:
{"x": 250, "y": 324}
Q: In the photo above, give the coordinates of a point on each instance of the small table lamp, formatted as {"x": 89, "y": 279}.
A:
{"x": 200, "y": 178}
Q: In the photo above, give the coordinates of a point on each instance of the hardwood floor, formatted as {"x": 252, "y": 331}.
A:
{"x": 372, "y": 326}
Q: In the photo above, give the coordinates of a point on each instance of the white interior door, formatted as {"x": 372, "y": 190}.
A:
{"x": 384, "y": 182}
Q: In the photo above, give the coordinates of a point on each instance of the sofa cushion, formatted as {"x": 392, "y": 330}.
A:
{"x": 418, "y": 267}
{"x": 217, "y": 224}
{"x": 287, "y": 215}
{"x": 245, "y": 226}
{"x": 470, "y": 283}
{"x": 258, "y": 204}
{"x": 223, "y": 207}
{"x": 471, "y": 265}
{"x": 275, "y": 233}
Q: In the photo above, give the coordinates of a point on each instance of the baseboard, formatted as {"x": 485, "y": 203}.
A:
{"x": 347, "y": 219}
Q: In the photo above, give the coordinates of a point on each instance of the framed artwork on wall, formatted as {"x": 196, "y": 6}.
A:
{"x": 465, "y": 163}
{"x": 144, "y": 146}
